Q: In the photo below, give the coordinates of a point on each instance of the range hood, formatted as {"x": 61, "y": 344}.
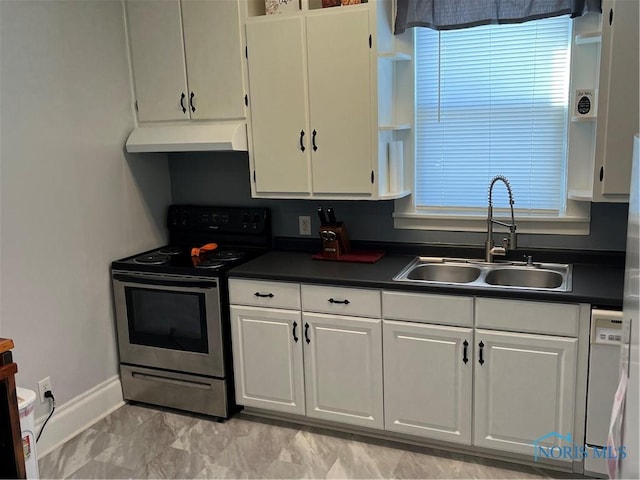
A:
{"x": 189, "y": 138}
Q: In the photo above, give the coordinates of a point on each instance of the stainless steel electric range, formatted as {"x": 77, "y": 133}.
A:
{"x": 171, "y": 308}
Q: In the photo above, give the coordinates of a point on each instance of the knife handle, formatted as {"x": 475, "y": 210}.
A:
{"x": 332, "y": 216}
{"x": 322, "y": 216}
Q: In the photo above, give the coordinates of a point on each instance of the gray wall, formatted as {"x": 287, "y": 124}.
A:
{"x": 223, "y": 179}
{"x": 71, "y": 200}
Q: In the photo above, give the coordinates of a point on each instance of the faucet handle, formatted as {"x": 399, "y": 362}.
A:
{"x": 529, "y": 260}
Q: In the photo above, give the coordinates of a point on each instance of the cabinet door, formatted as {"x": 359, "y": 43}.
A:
{"x": 214, "y": 59}
{"x": 267, "y": 358}
{"x": 278, "y": 103}
{"x": 340, "y": 101}
{"x": 157, "y": 57}
{"x": 427, "y": 380}
{"x": 618, "y": 103}
{"x": 524, "y": 389}
{"x": 343, "y": 369}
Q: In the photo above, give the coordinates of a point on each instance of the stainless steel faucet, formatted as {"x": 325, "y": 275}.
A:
{"x": 509, "y": 243}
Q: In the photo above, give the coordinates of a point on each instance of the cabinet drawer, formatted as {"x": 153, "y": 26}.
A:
{"x": 264, "y": 294}
{"x": 427, "y": 308}
{"x": 357, "y": 302}
{"x": 528, "y": 316}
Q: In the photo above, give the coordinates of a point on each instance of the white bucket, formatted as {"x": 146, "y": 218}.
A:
{"x": 26, "y": 398}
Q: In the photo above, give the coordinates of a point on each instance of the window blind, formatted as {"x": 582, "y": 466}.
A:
{"x": 493, "y": 100}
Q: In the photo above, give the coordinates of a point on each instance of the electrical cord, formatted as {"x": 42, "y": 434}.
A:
{"x": 47, "y": 394}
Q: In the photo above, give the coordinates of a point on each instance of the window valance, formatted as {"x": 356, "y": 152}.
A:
{"x": 455, "y": 14}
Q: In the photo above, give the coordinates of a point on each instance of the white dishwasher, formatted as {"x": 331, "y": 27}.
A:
{"x": 604, "y": 368}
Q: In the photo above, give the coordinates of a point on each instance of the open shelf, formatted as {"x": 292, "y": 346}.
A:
{"x": 576, "y": 119}
{"x": 395, "y": 195}
{"x": 394, "y": 56}
{"x": 580, "y": 195}
{"x": 587, "y": 38}
{"x": 400, "y": 126}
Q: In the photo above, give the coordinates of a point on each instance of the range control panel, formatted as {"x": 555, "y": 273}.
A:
{"x": 193, "y": 218}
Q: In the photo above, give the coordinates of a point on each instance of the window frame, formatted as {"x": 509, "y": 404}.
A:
{"x": 575, "y": 220}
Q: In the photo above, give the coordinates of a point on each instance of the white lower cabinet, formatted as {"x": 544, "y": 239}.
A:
{"x": 267, "y": 358}
{"x": 323, "y": 365}
{"x": 343, "y": 369}
{"x": 524, "y": 389}
{"x": 427, "y": 379}
{"x": 515, "y": 386}
{"x": 501, "y": 375}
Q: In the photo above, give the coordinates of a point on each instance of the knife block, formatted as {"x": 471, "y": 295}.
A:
{"x": 337, "y": 247}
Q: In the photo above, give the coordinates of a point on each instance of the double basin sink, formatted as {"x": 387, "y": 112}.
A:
{"x": 477, "y": 273}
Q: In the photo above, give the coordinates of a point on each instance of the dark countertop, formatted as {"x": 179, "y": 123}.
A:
{"x": 597, "y": 284}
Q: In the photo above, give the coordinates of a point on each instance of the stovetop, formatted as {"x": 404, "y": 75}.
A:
{"x": 174, "y": 259}
{"x": 239, "y": 233}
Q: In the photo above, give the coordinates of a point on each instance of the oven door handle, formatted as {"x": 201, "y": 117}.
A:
{"x": 164, "y": 283}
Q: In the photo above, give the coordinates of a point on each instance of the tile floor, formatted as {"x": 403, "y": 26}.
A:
{"x": 143, "y": 442}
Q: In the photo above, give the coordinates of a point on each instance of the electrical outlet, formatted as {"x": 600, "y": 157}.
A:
{"x": 43, "y": 386}
{"x": 304, "y": 225}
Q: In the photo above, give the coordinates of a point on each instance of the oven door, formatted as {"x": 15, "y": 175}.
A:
{"x": 170, "y": 322}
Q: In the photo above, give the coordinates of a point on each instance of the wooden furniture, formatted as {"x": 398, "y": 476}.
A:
{"x": 11, "y": 454}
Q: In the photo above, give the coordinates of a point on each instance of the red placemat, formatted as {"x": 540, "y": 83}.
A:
{"x": 358, "y": 256}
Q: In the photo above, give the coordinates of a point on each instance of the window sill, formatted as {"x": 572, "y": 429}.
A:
{"x": 577, "y": 223}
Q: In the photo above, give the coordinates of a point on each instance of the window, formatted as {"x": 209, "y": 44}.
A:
{"x": 492, "y": 100}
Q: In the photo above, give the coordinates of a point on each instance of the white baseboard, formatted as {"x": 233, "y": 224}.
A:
{"x": 78, "y": 414}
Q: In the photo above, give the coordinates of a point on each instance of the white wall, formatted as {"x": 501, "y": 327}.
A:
{"x": 71, "y": 200}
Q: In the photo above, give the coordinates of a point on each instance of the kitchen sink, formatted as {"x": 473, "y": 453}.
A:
{"x": 524, "y": 277}
{"x": 444, "y": 272}
{"x": 478, "y": 273}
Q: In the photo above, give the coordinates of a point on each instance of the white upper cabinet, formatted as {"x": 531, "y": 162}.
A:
{"x": 187, "y": 59}
{"x": 618, "y": 103}
{"x": 157, "y": 55}
{"x": 340, "y": 102}
{"x": 316, "y": 85}
{"x": 214, "y": 58}
{"x": 605, "y": 58}
{"x": 278, "y": 96}
{"x": 311, "y": 107}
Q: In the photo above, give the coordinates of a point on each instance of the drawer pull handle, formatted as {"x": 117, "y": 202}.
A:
{"x": 480, "y": 353}
{"x": 465, "y": 358}
{"x": 306, "y": 332}
{"x": 263, "y": 295}
{"x": 344, "y": 302}
{"x": 295, "y": 337}
{"x": 170, "y": 381}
